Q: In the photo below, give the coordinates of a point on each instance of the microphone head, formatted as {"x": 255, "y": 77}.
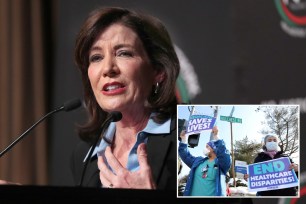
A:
{"x": 72, "y": 104}
{"x": 115, "y": 116}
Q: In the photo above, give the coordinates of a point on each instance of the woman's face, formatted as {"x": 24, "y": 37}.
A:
{"x": 120, "y": 71}
{"x": 271, "y": 139}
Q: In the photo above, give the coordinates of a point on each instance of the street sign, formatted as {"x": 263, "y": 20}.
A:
{"x": 230, "y": 119}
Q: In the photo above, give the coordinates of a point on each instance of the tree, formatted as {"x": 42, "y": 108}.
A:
{"x": 283, "y": 122}
{"x": 246, "y": 150}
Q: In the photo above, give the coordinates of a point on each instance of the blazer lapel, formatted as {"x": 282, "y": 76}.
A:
{"x": 92, "y": 173}
{"x": 157, "y": 148}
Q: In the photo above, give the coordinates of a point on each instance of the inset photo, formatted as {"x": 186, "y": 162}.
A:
{"x": 238, "y": 151}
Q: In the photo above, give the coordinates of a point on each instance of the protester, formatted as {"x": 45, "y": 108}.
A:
{"x": 207, "y": 175}
{"x": 270, "y": 152}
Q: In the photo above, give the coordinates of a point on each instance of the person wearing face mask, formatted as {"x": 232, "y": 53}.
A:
{"x": 271, "y": 151}
{"x": 207, "y": 174}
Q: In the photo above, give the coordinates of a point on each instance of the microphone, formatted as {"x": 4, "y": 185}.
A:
{"x": 114, "y": 116}
{"x": 71, "y": 105}
{"x": 67, "y": 106}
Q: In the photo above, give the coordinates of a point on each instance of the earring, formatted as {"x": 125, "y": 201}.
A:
{"x": 156, "y": 88}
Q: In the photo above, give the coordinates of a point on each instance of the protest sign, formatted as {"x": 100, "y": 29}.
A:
{"x": 199, "y": 123}
{"x": 240, "y": 168}
{"x": 271, "y": 175}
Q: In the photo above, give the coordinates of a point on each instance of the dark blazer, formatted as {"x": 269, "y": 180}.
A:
{"x": 162, "y": 158}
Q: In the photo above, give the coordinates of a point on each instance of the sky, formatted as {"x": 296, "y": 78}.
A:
{"x": 251, "y": 125}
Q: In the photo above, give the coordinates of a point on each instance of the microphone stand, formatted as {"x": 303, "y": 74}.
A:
{"x": 67, "y": 106}
{"x": 113, "y": 117}
{"x": 28, "y": 130}
{"x": 93, "y": 146}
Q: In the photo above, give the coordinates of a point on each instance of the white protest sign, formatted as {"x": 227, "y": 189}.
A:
{"x": 240, "y": 168}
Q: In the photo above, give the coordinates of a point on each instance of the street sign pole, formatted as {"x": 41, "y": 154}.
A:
{"x": 233, "y": 156}
{"x": 232, "y": 120}
{"x": 232, "y": 146}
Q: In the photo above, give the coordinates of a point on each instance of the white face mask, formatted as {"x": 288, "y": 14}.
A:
{"x": 271, "y": 146}
{"x": 206, "y": 152}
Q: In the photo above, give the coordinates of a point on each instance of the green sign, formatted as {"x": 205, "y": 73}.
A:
{"x": 230, "y": 119}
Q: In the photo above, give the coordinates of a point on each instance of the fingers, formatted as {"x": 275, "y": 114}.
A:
{"x": 112, "y": 161}
{"x": 215, "y": 132}
{"x": 105, "y": 182}
{"x": 102, "y": 166}
{"x": 119, "y": 177}
{"x": 183, "y": 135}
{"x": 142, "y": 157}
{"x": 294, "y": 167}
{"x": 106, "y": 175}
{"x": 3, "y": 182}
{"x": 110, "y": 178}
{"x": 144, "y": 168}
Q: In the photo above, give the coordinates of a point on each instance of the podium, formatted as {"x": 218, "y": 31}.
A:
{"x": 54, "y": 194}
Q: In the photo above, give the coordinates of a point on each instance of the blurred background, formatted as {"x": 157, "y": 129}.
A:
{"x": 231, "y": 52}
